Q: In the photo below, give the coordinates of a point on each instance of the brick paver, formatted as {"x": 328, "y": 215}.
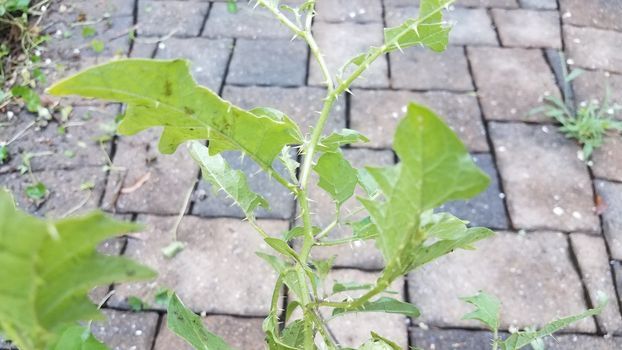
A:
{"x": 562, "y": 234}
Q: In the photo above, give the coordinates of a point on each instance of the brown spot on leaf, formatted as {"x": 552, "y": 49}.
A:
{"x": 168, "y": 88}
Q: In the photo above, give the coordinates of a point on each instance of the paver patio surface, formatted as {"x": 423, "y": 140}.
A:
{"x": 558, "y": 217}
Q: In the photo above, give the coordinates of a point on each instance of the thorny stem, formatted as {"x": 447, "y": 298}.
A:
{"x": 310, "y": 308}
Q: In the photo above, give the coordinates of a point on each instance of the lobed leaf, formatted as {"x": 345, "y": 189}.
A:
{"x": 48, "y": 269}
{"x": 521, "y": 339}
{"x": 434, "y": 168}
{"x": 163, "y": 94}
{"x": 189, "y": 326}
{"x": 427, "y": 30}
{"x": 487, "y": 309}
{"x": 219, "y": 173}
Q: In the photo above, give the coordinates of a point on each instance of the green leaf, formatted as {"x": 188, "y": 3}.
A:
{"x": 334, "y": 141}
{"x": 48, "y": 269}
{"x": 324, "y": 266}
{"x": 435, "y": 167}
{"x": 30, "y": 97}
{"x": 37, "y": 191}
{"x": 337, "y": 176}
{"x": 293, "y": 334}
{"x": 219, "y": 173}
{"x": 299, "y": 231}
{"x": 379, "y": 343}
{"x": 232, "y": 6}
{"x": 162, "y": 297}
{"x": 78, "y": 338}
{"x": 487, "y": 309}
{"x": 188, "y": 326}
{"x": 88, "y": 31}
{"x": 4, "y": 154}
{"x": 163, "y": 94}
{"x": 290, "y": 163}
{"x": 443, "y": 225}
{"x": 423, "y": 253}
{"x": 339, "y": 287}
{"x": 98, "y": 46}
{"x": 521, "y": 339}
{"x": 386, "y": 305}
{"x": 282, "y": 247}
{"x": 136, "y": 304}
{"x": 277, "y": 264}
{"x": 174, "y": 248}
{"x": 428, "y": 30}
{"x": 364, "y": 229}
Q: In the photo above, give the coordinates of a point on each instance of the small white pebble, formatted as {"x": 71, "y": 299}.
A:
{"x": 138, "y": 332}
{"x": 558, "y": 211}
{"x": 501, "y": 195}
{"x": 161, "y": 46}
{"x": 576, "y": 215}
{"x": 545, "y": 129}
{"x": 570, "y": 61}
{"x": 501, "y": 149}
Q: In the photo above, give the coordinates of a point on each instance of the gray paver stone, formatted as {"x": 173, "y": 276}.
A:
{"x": 112, "y": 247}
{"x": 436, "y": 339}
{"x": 249, "y": 22}
{"x": 539, "y": 4}
{"x": 64, "y": 190}
{"x": 611, "y": 196}
{"x": 211, "y": 202}
{"x": 511, "y": 82}
{"x": 471, "y": 26}
{"x": 591, "y": 253}
{"x": 532, "y": 275}
{"x": 547, "y": 186}
{"x": 592, "y": 85}
{"x": 467, "y": 3}
{"x": 528, "y": 28}
{"x": 349, "y": 10}
{"x": 376, "y": 114}
{"x": 594, "y": 48}
{"x": 75, "y": 145}
{"x": 268, "y": 62}
{"x": 422, "y": 69}
{"x": 72, "y": 9}
{"x": 602, "y": 13}
{"x": 126, "y": 330}
{"x": 140, "y": 175}
{"x": 144, "y": 49}
{"x": 69, "y": 44}
{"x": 217, "y": 272}
{"x": 575, "y": 342}
{"x": 341, "y": 42}
{"x": 608, "y": 158}
{"x": 208, "y": 57}
{"x": 359, "y": 254}
{"x": 160, "y": 18}
{"x": 299, "y": 103}
{"x": 240, "y": 333}
{"x": 487, "y": 209}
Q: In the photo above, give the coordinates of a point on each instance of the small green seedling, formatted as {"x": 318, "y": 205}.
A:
{"x": 488, "y": 309}
{"x": 398, "y": 202}
{"x": 588, "y": 125}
